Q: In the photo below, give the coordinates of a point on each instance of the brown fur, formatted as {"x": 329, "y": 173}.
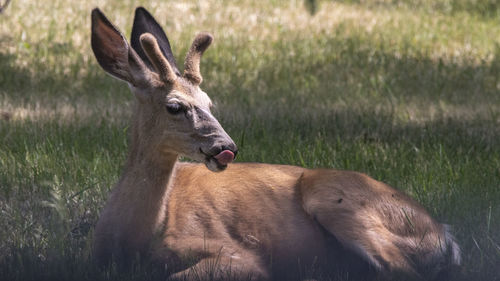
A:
{"x": 250, "y": 219}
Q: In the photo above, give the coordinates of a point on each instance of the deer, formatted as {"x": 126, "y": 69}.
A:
{"x": 257, "y": 221}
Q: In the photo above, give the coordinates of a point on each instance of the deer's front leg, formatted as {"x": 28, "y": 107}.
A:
{"x": 210, "y": 259}
{"x": 223, "y": 268}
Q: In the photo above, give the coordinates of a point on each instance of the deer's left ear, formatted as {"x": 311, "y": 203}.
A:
{"x": 145, "y": 23}
{"x": 114, "y": 54}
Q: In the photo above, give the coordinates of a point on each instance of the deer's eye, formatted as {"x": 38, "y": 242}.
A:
{"x": 174, "y": 108}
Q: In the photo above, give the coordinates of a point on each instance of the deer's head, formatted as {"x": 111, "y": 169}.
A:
{"x": 173, "y": 114}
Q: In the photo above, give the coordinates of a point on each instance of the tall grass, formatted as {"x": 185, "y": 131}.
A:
{"x": 406, "y": 91}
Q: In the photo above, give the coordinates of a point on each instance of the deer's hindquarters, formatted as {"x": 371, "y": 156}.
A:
{"x": 382, "y": 225}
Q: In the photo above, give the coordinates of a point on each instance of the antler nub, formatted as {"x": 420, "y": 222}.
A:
{"x": 152, "y": 50}
{"x": 192, "y": 62}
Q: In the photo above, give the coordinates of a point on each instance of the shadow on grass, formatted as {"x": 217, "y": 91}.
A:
{"x": 356, "y": 71}
{"x": 44, "y": 80}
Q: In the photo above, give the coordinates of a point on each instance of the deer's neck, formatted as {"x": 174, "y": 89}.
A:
{"x": 142, "y": 193}
{"x": 145, "y": 186}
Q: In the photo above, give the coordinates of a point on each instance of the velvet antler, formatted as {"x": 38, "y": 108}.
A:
{"x": 192, "y": 62}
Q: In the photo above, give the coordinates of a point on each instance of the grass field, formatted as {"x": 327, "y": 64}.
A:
{"x": 405, "y": 91}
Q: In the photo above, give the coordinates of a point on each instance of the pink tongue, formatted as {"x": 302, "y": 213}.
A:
{"x": 225, "y": 157}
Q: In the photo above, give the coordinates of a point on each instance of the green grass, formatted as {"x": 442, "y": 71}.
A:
{"x": 407, "y": 93}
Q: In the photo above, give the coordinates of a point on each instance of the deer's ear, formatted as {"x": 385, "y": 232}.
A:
{"x": 145, "y": 23}
{"x": 113, "y": 52}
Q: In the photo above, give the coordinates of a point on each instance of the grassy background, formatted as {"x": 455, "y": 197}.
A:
{"x": 406, "y": 91}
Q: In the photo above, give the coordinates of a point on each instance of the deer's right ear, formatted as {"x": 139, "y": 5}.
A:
{"x": 113, "y": 52}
